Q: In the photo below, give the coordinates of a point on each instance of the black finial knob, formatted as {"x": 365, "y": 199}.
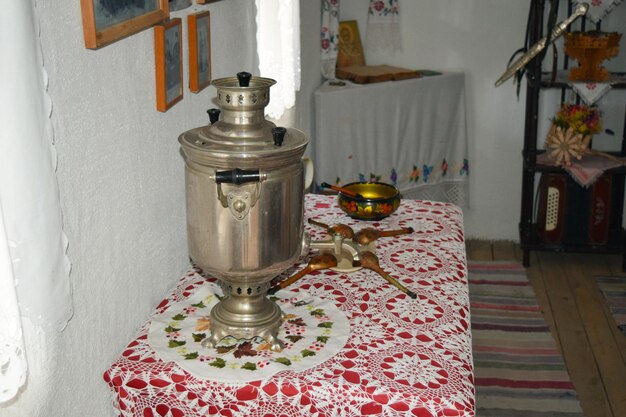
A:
{"x": 279, "y": 135}
{"x": 214, "y": 115}
{"x": 244, "y": 79}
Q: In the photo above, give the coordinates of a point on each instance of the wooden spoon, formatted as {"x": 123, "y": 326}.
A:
{"x": 344, "y": 191}
{"x": 370, "y": 261}
{"x": 336, "y": 229}
{"x": 322, "y": 261}
{"x": 367, "y": 235}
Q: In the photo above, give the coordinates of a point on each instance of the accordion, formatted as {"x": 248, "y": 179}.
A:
{"x": 570, "y": 214}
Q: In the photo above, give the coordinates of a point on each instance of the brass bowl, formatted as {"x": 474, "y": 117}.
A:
{"x": 379, "y": 200}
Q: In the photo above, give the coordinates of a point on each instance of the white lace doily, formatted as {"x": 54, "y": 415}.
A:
{"x": 313, "y": 331}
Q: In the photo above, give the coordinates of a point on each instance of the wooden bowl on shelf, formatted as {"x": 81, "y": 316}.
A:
{"x": 590, "y": 49}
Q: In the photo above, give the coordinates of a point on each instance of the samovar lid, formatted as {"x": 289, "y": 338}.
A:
{"x": 239, "y": 134}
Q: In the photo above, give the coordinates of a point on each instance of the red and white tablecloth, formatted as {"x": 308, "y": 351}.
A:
{"x": 403, "y": 357}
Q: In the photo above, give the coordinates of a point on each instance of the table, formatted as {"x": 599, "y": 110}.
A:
{"x": 411, "y": 133}
{"x": 403, "y": 356}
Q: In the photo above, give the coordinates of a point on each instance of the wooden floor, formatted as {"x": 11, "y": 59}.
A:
{"x": 593, "y": 348}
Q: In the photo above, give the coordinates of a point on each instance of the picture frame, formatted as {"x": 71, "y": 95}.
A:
{"x": 107, "y": 21}
{"x": 349, "y": 50}
{"x": 199, "y": 37}
{"x": 168, "y": 60}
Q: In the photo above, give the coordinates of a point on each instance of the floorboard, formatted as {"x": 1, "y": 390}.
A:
{"x": 575, "y": 346}
{"x": 480, "y": 250}
{"x": 581, "y": 272}
{"x": 503, "y": 250}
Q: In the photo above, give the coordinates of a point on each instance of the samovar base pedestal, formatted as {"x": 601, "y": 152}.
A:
{"x": 244, "y": 314}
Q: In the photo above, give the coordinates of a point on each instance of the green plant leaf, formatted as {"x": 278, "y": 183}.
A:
{"x": 190, "y": 356}
{"x": 249, "y": 366}
{"x": 198, "y": 337}
{"x": 306, "y": 352}
{"x": 218, "y": 363}
{"x": 318, "y": 312}
{"x": 322, "y": 339}
{"x": 199, "y": 305}
{"x": 175, "y": 343}
{"x": 170, "y": 329}
{"x": 326, "y": 325}
{"x": 179, "y": 317}
{"x": 284, "y": 361}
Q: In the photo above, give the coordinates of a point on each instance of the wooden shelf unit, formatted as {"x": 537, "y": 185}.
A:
{"x": 538, "y": 81}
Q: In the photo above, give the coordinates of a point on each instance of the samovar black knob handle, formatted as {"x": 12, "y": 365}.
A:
{"x": 214, "y": 115}
{"x": 244, "y": 79}
{"x": 279, "y": 135}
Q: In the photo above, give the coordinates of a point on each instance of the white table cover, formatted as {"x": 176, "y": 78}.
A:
{"x": 411, "y": 133}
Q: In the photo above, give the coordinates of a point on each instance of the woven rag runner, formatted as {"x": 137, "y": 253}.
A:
{"x": 614, "y": 292}
{"x": 518, "y": 369}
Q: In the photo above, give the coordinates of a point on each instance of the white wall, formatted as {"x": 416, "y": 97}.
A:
{"x": 122, "y": 194}
{"x": 476, "y": 37}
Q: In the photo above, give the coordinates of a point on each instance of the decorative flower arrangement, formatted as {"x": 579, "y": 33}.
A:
{"x": 571, "y": 131}
{"x": 580, "y": 118}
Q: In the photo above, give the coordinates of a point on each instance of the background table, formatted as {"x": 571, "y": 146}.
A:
{"x": 403, "y": 356}
{"x": 409, "y": 132}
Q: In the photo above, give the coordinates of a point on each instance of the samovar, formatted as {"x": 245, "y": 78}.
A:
{"x": 244, "y": 180}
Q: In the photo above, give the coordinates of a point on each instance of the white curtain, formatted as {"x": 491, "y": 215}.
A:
{"x": 278, "y": 46}
{"x": 12, "y": 356}
{"x": 33, "y": 263}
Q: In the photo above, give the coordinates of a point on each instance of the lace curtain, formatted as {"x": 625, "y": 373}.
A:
{"x": 34, "y": 268}
{"x": 12, "y": 356}
{"x": 278, "y": 46}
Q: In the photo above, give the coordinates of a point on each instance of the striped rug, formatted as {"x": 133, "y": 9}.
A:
{"x": 614, "y": 292}
{"x": 519, "y": 370}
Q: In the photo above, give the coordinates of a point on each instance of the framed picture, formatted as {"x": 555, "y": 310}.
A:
{"x": 106, "y": 21}
{"x": 349, "y": 50}
{"x": 199, "y": 26}
{"x": 168, "y": 59}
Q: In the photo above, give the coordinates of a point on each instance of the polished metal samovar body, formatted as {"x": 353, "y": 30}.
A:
{"x": 244, "y": 180}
